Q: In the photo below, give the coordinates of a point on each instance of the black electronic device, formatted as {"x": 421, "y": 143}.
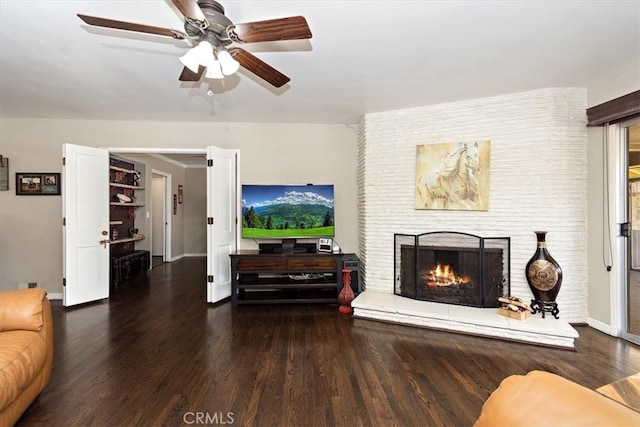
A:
{"x": 287, "y": 247}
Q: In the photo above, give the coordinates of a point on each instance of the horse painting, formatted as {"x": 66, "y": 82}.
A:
{"x": 452, "y": 176}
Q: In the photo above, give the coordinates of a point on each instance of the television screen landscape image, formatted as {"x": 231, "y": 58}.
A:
{"x": 287, "y": 211}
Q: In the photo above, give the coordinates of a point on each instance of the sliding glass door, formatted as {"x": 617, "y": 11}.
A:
{"x": 631, "y": 300}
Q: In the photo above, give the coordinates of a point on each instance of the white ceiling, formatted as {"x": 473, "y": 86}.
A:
{"x": 364, "y": 57}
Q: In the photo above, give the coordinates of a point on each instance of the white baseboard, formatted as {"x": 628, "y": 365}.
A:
{"x": 176, "y": 258}
{"x": 54, "y": 296}
{"x": 600, "y": 326}
{"x": 195, "y": 255}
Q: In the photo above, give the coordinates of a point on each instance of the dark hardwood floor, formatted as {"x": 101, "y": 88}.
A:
{"x": 156, "y": 353}
{"x": 156, "y": 261}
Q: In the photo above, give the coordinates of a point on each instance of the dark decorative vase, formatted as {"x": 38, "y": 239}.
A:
{"x": 346, "y": 295}
{"x": 544, "y": 276}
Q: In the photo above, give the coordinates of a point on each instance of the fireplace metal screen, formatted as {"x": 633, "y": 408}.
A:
{"x": 452, "y": 267}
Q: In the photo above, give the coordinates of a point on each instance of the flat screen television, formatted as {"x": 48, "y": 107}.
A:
{"x": 287, "y": 211}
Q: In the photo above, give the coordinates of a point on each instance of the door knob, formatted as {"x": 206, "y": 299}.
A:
{"x": 105, "y": 233}
{"x": 105, "y": 242}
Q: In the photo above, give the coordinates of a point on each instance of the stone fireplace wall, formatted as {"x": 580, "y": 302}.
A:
{"x": 538, "y": 181}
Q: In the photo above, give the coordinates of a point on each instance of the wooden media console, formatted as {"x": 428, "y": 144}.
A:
{"x": 287, "y": 277}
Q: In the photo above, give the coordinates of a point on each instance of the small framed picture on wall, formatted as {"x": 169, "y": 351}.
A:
{"x": 38, "y": 184}
{"x": 180, "y": 193}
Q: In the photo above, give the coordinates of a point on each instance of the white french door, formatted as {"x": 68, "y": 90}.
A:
{"x": 222, "y": 227}
{"x": 85, "y": 209}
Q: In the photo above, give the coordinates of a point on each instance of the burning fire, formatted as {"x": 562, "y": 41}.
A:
{"x": 443, "y": 275}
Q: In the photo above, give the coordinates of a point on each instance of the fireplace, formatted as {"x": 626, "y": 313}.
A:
{"x": 452, "y": 267}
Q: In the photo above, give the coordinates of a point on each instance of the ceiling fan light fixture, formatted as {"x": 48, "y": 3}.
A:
{"x": 228, "y": 64}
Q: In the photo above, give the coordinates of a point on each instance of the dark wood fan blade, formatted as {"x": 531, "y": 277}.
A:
{"x": 292, "y": 28}
{"x": 130, "y": 26}
{"x": 191, "y": 11}
{"x": 189, "y": 76}
{"x": 259, "y": 67}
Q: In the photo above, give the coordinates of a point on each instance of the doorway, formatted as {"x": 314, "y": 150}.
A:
{"x": 159, "y": 218}
{"x": 221, "y": 203}
{"x": 90, "y": 166}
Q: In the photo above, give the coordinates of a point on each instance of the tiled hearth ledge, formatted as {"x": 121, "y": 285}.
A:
{"x": 469, "y": 320}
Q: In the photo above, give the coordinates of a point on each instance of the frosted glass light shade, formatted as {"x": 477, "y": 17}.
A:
{"x": 199, "y": 55}
{"x": 191, "y": 60}
{"x": 227, "y": 63}
{"x": 213, "y": 70}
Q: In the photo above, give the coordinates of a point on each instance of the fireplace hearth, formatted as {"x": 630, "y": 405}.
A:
{"x": 452, "y": 267}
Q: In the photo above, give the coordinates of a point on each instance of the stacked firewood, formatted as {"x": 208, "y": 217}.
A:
{"x": 515, "y": 306}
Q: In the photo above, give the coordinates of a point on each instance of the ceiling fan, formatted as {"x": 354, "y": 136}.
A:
{"x": 212, "y": 33}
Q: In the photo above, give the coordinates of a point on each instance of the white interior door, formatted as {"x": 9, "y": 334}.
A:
{"x": 85, "y": 209}
{"x": 222, "y": 181}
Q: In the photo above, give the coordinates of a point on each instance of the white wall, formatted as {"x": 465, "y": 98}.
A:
{"x": 195, "y": 213}
{"x": 538, "y": 181}
{"x": 30, "y": 227}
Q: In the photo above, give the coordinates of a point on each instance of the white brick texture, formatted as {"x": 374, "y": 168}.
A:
{"x": 538, "y": 181}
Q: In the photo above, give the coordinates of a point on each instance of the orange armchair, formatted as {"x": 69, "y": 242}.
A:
{"x": 26, "y": 350}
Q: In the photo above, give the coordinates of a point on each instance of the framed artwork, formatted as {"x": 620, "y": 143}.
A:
{"x": 38, "y": 184}
{"x": 175, "y": 204}
{"x": 453, "y": 176}
{"x": 180, "y": 192}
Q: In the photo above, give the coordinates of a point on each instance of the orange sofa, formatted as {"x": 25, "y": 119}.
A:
{"x": 542, "y": 398}
{"x": 26, "y": 350}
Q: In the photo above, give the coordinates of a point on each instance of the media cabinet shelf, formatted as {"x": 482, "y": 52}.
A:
{"x": 267, "y": 278}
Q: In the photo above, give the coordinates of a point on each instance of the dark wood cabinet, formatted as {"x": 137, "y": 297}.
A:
{"x": 270, "y": 278}
{"x": 126, "y": 266}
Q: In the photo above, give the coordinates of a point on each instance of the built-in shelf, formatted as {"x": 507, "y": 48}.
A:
{"x": 116, "y": 168}
{"x": 130, "y": 239}
{"x": 125, "y": 195}
{"x": 131, "y": 187}
{"x": 133, "y": 205}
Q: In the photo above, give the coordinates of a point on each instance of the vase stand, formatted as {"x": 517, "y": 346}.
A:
{"x": 545, "y": 307}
